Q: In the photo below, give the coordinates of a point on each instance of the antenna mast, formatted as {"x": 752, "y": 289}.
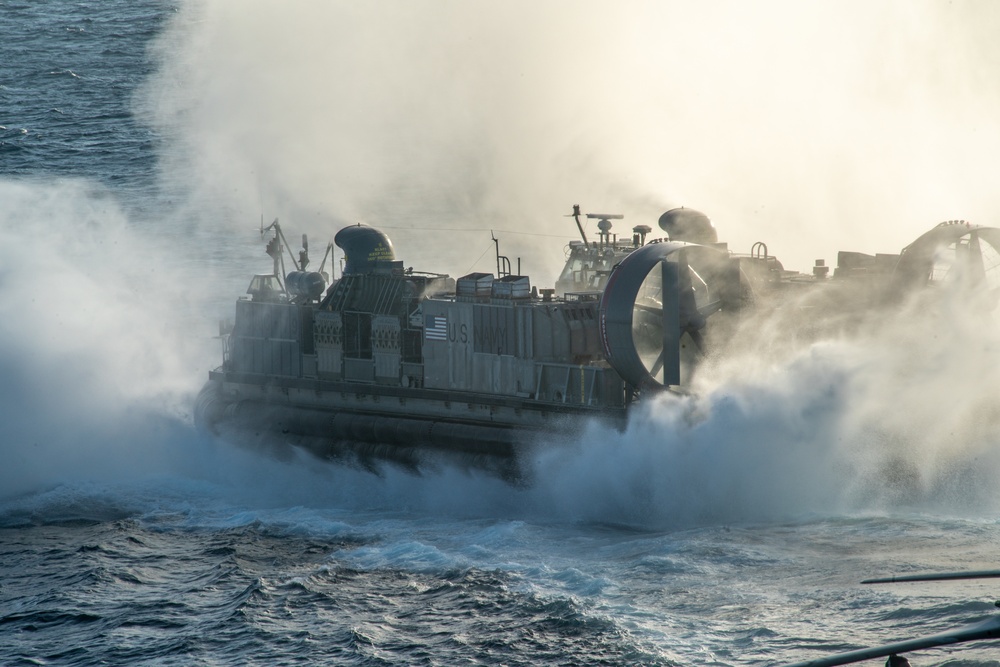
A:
{"x": 576, "y": 216}
{"x": 503, "y": 263}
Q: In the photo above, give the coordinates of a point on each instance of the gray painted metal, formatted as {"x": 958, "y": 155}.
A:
{"x": 622, "y": 336}
{"x": 365, "y": 248}
{"x": 916, "y": 263}
{"x": 512, "y": 287}
{"x": 617, "y": 306}
{"x": 670, "y": 353}
{"x": 689, "y": 225}
{"x": 266, "y": 338}
{"x": 475, "y": 286}
{"x": 988, "y": 629}
{"x": 328, "y": 336}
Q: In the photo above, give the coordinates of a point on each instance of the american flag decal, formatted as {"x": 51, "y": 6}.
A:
{"x": 436, "y": 327}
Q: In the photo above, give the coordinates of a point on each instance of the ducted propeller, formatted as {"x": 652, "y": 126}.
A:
{"x": 656, "y": 306}
{"x": 953, "y": 253}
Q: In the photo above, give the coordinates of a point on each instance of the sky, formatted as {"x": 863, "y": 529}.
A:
{"x": 814, "y": 127}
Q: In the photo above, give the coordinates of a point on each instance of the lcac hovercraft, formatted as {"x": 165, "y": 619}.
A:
{"x": 392, "y": 363}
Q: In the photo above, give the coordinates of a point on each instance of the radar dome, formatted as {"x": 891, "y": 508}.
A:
{"x": 689, "y": 225}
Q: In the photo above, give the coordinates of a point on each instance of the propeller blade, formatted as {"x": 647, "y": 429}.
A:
{"x": 657, "y": 365}
{"x": 988, "y": 629}
{"x": 710, "y": 308}
{"x": 698, "y": 339}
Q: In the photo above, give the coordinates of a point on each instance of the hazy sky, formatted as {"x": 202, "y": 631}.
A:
{"x": 813, "y": 126}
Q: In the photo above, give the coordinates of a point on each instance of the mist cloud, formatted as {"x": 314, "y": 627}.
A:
{"x": 104, "y": 344}
{"x": 812, "y": 126}
{"x": 815, "y": 127}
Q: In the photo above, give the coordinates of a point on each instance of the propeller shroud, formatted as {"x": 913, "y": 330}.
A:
{"x": 953, "y": 251}
{"x": 657, "y": 298}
